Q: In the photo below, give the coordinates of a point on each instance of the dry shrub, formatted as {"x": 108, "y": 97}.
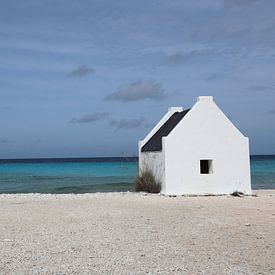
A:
{"x": 146, "y": 182}
{"x": 237, "y": 194}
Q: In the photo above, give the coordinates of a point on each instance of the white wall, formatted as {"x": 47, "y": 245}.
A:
{"x": 155, "y": 160}
{"x": 206, "y": 133}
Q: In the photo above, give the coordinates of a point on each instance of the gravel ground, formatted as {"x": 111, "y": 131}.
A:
{"x": 128, "y": 233}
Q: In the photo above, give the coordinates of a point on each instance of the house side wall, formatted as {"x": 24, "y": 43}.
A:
{"x": 153, "y": 161}
{"x": 206, "y": 133}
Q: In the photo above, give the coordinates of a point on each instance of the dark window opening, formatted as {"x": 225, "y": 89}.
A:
{"x": 206, "y": 166}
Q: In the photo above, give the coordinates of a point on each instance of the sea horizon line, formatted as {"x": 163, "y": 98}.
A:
{"x": 95, "y": 159}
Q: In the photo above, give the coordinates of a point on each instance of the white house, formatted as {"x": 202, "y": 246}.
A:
{"x": 197, "y": 151}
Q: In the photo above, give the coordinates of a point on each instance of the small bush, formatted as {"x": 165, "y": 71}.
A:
{"x": 237, "y": 194}
{"x": 147, "y": 182}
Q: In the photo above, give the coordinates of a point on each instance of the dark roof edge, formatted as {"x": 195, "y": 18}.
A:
{"x": 154, "y": 144}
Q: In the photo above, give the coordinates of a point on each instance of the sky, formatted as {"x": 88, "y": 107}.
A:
{"x": 83, "y": 78}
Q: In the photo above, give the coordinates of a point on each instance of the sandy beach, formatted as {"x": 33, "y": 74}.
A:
{"x": 125, "y": 233}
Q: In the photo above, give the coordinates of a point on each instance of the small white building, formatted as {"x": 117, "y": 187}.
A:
{"x": 197, "y": 151}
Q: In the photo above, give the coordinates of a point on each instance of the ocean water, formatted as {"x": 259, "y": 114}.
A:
{"x": 262, "y": 171}
{"x": 96, "y": 175}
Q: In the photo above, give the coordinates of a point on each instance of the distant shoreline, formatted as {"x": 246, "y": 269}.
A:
{"x": 97, "y": 159}
{"x": 62, "y": 160}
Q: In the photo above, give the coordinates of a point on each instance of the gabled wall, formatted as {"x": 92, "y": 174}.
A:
{"x": 155, "y": 160}
{"x": 206, "y": 133}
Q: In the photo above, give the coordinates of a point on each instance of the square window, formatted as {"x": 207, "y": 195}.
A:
{"x": 206, "y": 166}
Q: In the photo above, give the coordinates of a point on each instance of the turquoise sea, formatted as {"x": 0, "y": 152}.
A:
{"x": 96, "y": 174}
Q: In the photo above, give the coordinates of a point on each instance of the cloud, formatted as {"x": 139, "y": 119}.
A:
{"x": 3, "y": 140}
{"x": 138, "y": 91}
{"x": 174, "y": 59}
{"x": 3, "y": 107}
{"x": 81, "y": 71}
{"x": 239, "y": 3}
{"x": 90, "y": 118}
{"x": 127, "y": 123}
{"x": 272, "y": 112}
{"x": 179, "y": 58}
{"x": 214, "y": 76}
{"x": 260, "y": 88}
